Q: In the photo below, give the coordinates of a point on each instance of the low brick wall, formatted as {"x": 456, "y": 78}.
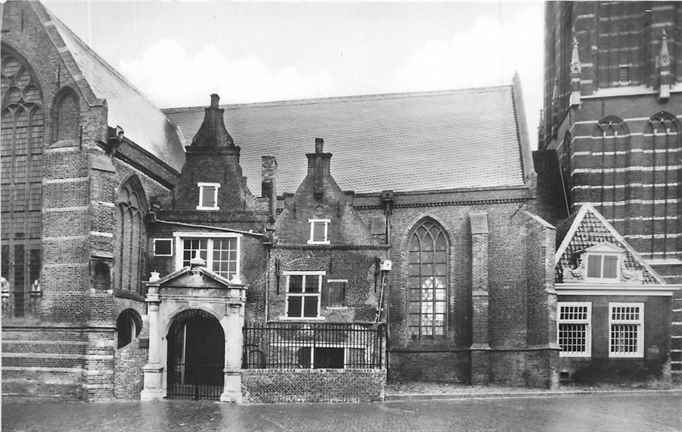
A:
{"x": 313, "y": 385}
{"x": 128, "y": 373}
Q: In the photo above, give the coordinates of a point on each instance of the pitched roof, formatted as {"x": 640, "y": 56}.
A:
{"x": 589, "y": 228}
{"x": 406, "y": 142}
{"x": 144, "y": 123}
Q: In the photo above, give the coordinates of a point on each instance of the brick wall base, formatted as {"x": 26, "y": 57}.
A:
{"x": 128, "y": 375}
{"x": 313, "y": 385}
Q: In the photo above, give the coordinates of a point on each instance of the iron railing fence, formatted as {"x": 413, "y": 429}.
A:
{"x": 296, "y": 345}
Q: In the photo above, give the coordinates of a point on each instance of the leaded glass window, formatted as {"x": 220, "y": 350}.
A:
{"x": 428, "y": 280}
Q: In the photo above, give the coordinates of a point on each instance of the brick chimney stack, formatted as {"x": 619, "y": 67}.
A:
{"x": 269, "y": 183}
{"x": 319, "y": 167}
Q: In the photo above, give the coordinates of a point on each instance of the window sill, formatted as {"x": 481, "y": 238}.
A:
{"x": 575, "y": 355}
{"x": 310, "y": 242}
{"x": 286, "y": 318}
{"x": 208, "y": 208}
{"x": 627, "y": 356}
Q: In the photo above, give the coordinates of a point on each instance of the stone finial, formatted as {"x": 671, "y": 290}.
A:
{"x": 663, "y": 62}
{"x": 215, "y": 100}
{"x": 154, "y": 276}
{"x": 197, "y": 261}
{"x": 554, "y": 119}
{"x": 319, "y": 145}
{"x": 574, "y": 99}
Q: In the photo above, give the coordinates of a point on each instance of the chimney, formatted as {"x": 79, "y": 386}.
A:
{"x": 269, "y": 183}
{"x": 318, "y": 167}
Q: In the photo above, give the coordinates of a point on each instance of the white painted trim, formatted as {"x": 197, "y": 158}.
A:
{"x": 170, "y": 239}
{"x": 626, "y": 202}
{"x": 588, "y": 328}
{"x": 312, "y": 223}
{"x": 623, "y": 186}
{"x": 569, "y": 235}
{"x": 201, "y": 186}
{"x": 619, "y": 262}
{"x": 640, "y": 330}
{"x": 627, "y": 169}
{"x": 304, "y": 294}
{"x": 181, "y": 235}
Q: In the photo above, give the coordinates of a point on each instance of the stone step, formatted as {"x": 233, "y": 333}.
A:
{"x": 55, "y": 347}
{"x": 23, "y": 387}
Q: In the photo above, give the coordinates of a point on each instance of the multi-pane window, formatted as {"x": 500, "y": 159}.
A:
{"x": 208, "y": 196}
{"x": 303, "y": 294}
{"x": 336, "y": 292}
{"x": 428, "y": 280}
{"x": 626, "y": 329}
{"x": 602, "y": 266}
{"x": 575, "y": 335}
{"x": 221, "y": 254}
{"x": 319, "y": 231}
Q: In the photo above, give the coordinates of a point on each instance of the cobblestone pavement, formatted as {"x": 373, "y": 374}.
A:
{"x": 651, "y": 412}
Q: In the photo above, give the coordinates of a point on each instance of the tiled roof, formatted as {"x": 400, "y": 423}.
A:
{"x": 144, "y": 123}
{"x": 589, "y": 228}
{"x": 406, "y": 142}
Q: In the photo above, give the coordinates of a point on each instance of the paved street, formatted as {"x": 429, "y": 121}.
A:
{"x": 621, "y": 413}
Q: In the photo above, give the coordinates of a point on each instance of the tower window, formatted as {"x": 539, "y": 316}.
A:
{"x": 624, "y": 74}
{"x": 319, "y": 231}
{"x": 208, "y": 196}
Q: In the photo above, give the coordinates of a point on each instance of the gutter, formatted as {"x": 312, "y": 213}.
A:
{"x": 230, "y": 230}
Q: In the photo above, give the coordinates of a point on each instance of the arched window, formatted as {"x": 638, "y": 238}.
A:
{"x": 128, "y": 327}
{"x": 66, "y": 116}
{"x": 661, "y": 182}
{"x": 130, "y": 236}
{"x": 428, "y": 280}
{"x": 21, "y": 141}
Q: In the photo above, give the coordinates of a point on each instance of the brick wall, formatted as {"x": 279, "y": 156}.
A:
{"x": 128, "y": 377}
{"x": 313, "y": 385}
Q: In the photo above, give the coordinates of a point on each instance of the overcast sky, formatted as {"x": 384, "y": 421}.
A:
{"x": 179, "y": 52}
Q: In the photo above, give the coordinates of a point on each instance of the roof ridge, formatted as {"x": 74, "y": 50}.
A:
{"x": 347, "y": 98}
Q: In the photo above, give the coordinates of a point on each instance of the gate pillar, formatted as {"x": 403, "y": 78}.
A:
{"x": 233, "y": 324}
{"x": 153, "y": 370}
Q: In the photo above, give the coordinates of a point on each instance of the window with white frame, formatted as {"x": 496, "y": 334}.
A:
{"x": 163, "y": 247}
{"x": 208, "y": 196}
{"x": 575, "y": 335}
{"x": 319, "y": 230}
{"x": 303, "y": 294}
{"x": 603, "y": 266}
{"x": 626, "y": 329}
{"x": 220, "y": 251}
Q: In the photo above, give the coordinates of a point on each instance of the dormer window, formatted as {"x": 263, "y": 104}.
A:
{"x": 208, "y": 196}
{"x": 603, "y": 262}
{"x": 319, "y": 230}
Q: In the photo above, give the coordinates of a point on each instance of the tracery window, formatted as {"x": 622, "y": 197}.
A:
{"x": 610, "y": 152}
{"x": 428, "y": 280}
{"x": 21, "y": 141}
{"x": 130, "y": 236}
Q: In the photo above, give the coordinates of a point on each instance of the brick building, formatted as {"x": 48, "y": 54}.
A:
{"x": 134, "y": 267}
{"x": 609, "y": 149}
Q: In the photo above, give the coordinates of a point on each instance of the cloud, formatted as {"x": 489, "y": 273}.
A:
{"x": 173, "y": 76}
{"x": 487, "y": 53}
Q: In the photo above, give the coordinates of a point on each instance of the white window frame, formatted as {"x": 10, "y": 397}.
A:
{"x": 201, "y": 186}
{"x": 311, "y": 239}
{"x": 588, "y": 328}
{"x": 640, "y": 330}
{"x": 338, "y": 281}
{"x": 180, "y": 236}
{"x": 321, "y": 275}
{"x": 164, "y": 239}
{"x": 619, "y": 263}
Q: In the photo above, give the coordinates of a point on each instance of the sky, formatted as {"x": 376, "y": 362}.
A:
{"x": 178, "y": 52}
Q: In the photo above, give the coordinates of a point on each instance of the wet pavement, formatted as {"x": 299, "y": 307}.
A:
{"x": 576, "y": 413}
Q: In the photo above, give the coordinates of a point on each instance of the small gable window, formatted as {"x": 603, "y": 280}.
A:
{"x": 319, "y": 231}
{"x": 603, "y": 262}
{"x": 208, "y": 196}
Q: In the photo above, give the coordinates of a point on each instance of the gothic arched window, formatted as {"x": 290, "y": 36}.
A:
{"x": 130, "y": 236}
{"x": 611, "y": 150}
{"x": 22, "y": 140}
{"x": 428, "y": 280}
{"x": 66, "y": 116}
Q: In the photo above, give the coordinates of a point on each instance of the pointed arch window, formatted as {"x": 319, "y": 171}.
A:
{"x": 131, "y": 236}
{"x": 428, "y": 282}
{"x": 611, "y": 153}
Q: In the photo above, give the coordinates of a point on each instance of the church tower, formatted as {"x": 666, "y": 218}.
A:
{"x": 609, "y": 133}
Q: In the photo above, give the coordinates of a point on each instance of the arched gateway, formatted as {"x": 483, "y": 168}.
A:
{"x": 196, "y": 356}
{"x": 195, "y": 335}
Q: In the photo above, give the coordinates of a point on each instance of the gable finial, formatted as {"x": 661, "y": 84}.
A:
{"x": 574, "y": 99}
{"x": 663, "y": 62}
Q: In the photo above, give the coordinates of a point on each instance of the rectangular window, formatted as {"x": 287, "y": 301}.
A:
{"x": 602, "y": 266}
{"x": 319, "y": 230}
{"x": 208, "y": 196}
{"x": 219, "y": 252}
{"x": 336, "y": 292}
{"x": 303, "y": 294}
{"x": 575, "y": 335}
{"x": 163, "y": 247}
{"x": 626, "y": 329}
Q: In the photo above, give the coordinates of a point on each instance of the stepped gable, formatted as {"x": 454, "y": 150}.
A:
{"x": 589, "y": 228}
{"x": 143, "y": 122}
{"x": 470, "y": 138}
